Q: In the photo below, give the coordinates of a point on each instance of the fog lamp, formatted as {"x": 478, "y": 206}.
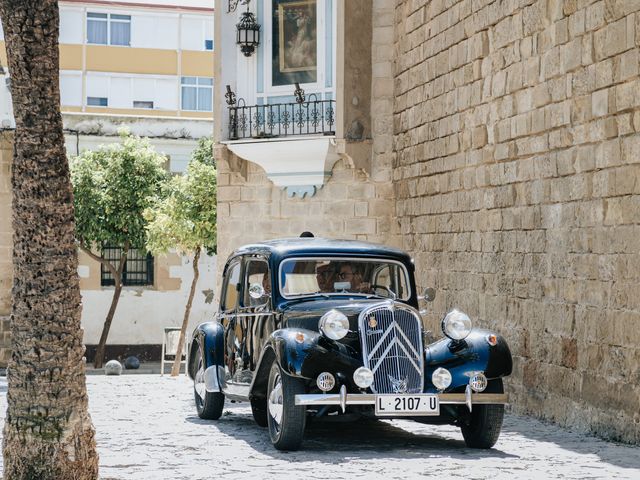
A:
{"x": 478, "y": 382}
{"x": 441, "y": 378}
{"x": 325, "y": 381}
{"x": 363, "y": 377}
{"x": 334, "y": 324}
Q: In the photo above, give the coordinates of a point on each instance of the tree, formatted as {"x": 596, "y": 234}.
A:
{"x": 112, "y": 187}
{"x": 186, "y": 220}
{"x": 203, "y": 152}
{"x": 47, "y": 432}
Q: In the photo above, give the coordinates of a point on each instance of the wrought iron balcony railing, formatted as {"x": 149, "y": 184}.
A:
{"x": 308, "y": 117}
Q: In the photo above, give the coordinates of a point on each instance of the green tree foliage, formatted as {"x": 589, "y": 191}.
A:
{"x": 112, "y": 187}
{"x": 203, "y": 153}
{"x": 186, "y": 220}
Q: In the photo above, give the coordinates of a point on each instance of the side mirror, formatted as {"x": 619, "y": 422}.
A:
{"x": 429, "y": 295}
{"x": 256, "y": 291}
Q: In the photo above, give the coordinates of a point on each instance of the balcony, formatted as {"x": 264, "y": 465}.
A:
{"x": 310, "y": 117}
{"x": 293, "y": 142}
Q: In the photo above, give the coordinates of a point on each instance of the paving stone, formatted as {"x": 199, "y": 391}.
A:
{"x": 155, "y": 434}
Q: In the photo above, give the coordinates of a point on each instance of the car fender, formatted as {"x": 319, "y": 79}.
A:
{"x": 209, "y": 338}
{"x": 304, "y": 354}
{"x": 465, "y": 358}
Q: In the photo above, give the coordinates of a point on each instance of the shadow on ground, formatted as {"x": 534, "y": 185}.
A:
{"x": 613, "y": 453}
{"x": 363, "y": 439}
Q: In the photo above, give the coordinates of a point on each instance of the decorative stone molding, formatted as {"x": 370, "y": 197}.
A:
{"x": 300, "y": 165}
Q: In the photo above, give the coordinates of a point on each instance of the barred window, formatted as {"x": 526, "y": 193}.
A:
{"x": 138, "y": 270}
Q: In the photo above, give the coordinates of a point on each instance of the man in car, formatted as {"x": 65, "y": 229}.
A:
{"x": 326, "y": 276}
{"x": 349, "y": 272}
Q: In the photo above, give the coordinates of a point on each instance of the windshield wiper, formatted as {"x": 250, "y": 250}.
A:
{"x": 375, "y": 295}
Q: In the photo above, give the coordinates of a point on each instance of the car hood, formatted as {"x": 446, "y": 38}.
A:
{"x": 307, "y": 313}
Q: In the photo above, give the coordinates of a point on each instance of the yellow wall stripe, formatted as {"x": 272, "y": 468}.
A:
{"x": 132, "y": 60}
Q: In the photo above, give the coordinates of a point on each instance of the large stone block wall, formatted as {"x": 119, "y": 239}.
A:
{"x": 517, "y": 178}
{"x": 350, "y": 206}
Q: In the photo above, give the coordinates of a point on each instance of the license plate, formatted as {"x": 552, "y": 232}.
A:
{"x": 395, "y": 405}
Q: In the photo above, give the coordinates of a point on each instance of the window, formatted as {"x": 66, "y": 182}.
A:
{"x": 142, "y": 104}
{"x": 197, "y": 94}
{"x": 97, "y": 101}
{"x": 97, "y": 28}
{"x": 339, "y": 276}
{"x": 120, "y": 29}
{"x": 108, "y": 29}
{"x": 137, "y": 271}
{"x": 256, "y": 271}
{"x": 231, "y": 287}
{"x": 208, "y": 44}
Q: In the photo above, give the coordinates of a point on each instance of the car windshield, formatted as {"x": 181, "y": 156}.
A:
{"x": 336, "y": 276}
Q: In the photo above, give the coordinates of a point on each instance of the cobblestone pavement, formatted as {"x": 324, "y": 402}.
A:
{"x": 147, "y": 429}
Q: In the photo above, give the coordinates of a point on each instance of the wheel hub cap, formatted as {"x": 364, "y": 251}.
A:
{"x": 198, "y": 381}
{"x": 275, "y": 401}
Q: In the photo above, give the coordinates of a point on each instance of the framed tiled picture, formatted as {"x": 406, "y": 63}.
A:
{"x": 295, "y": 42}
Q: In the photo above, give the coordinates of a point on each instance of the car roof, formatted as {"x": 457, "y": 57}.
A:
{"x": 279, "y": 249}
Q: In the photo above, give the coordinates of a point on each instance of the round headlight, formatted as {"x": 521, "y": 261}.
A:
{"x": 363, "y": 377}
{"x": 441, "y": 378}
{"x": 334, "y": 324}
{"x": 456, "y": 325}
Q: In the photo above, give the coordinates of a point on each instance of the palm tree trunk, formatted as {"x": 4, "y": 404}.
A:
{"x": 48, "y": 432}
{"x": 175, "y": 370}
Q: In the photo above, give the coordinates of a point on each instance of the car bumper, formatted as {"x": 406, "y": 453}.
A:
{"x": 344, "y": 399}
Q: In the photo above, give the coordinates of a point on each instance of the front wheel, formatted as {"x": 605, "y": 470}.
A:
{"x": 485, "y": 422}
{"x": 286, "y": 420}
{"x": 208, "y": 404}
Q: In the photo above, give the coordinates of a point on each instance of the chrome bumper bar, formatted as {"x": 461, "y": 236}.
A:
{"x": 343, "y": 399}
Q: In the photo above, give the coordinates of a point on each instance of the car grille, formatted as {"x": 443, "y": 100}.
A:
{"x": 391, "y": 337}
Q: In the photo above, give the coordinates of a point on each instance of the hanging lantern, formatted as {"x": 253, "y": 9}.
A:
{"x": 248, "y": 33}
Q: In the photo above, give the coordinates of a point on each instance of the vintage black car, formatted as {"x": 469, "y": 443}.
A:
{"x": 310, "y": 327}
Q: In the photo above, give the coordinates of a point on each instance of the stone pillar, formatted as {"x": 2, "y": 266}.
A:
{"x": 6, "y": 243}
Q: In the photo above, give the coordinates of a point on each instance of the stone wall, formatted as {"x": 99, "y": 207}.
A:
{"x": 6, "y": 244}
{"x": 250, "y": 208}
{"x": 517, "y": 178}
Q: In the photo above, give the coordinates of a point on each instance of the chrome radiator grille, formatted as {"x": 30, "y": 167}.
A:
{"x": 391, "y": 337}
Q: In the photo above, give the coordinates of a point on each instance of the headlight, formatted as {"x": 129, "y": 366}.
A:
{"x": 456, "y": 325}
{"x": 441, "y": 378}
{"x": 334, "y": 324}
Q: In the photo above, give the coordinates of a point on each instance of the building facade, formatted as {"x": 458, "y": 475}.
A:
{"x": 323, "y": 164}
{"x": 497, "y": 141}
{"x": 146, "y": 65}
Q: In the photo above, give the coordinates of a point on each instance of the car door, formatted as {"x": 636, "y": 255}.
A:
{"x": 253, "y": 316}
{"x": 229, "y": 300}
